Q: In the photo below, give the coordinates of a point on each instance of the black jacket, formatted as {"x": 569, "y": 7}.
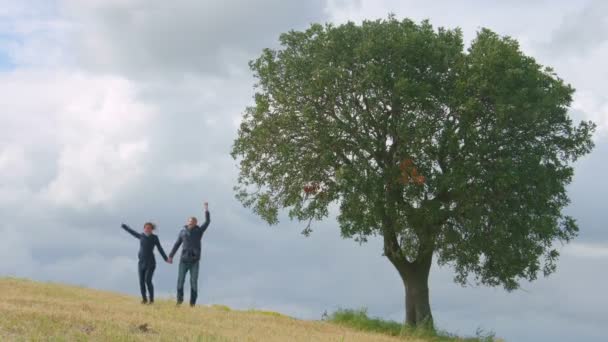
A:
{"x": 146, "y": 247}
{"x": 191, "y": 238}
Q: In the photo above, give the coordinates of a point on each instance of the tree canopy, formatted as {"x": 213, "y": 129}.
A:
{"x": 462, "y": 154}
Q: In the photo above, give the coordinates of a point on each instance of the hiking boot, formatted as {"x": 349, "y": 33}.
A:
{"x": 144, "y": 301}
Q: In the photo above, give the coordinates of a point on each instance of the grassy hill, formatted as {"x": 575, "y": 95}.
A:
{"x": 40, "y": 311}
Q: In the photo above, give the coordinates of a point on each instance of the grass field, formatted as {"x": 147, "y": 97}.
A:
{"x": 32, "y": 311}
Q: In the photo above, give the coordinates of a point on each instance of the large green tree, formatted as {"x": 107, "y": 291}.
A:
{"x": 457, "y": 154}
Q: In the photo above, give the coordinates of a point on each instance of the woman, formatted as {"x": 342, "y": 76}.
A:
{"x": 147, "y": 263}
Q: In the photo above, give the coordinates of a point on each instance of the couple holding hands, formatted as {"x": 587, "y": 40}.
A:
{"x": 190, "y": 240}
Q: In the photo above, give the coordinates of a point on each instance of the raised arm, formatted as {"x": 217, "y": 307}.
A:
{"x": 160, "y": 249}
{"x": 131, "y": 231}
{"x": 207, "y": 218}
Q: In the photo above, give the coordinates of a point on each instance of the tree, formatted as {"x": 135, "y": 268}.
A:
{"x": 457, "y": 154}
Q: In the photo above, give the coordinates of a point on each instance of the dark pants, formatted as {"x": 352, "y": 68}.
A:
{"x": 184, "y": 267}
{"x": 145, "y": 279}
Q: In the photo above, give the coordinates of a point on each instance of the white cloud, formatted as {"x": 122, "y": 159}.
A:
{"x": 13, "y": 164}
{"x": 187, "y": 172}
{"x": 593, "y": 107}
{"x": 14, "y": 169}
{"x": 160, "y": 39}
{"x": 94, "y": 124}
{"x": 94, "y": 172}
{"x": 582, "y": 30}
{"x": 584, "y": 250}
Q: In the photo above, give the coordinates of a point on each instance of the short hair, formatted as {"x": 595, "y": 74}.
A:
{"x": 193, "y": 218}
{"x": 150, "y": 224}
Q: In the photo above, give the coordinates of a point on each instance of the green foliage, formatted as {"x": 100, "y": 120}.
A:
{"x": 221, "y": 307}
{"x": 268, "y": 313}
{"x": 462, "y": 154}
{"x": 360, "y": 320}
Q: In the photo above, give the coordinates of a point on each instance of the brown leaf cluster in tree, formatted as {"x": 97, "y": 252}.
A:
{"x": 409, "y": 173}
{"x": 312, "y": 188}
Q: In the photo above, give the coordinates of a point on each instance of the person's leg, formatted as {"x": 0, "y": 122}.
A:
{"x": 181, "y": 278}
{"x": 149, "y": 275}
{"x": 188, "y": 269}
{"x": 193, "y": 283}
{"x": 142, "y": 283}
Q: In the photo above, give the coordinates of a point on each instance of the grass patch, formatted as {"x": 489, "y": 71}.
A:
{"x": 34, "y": 311}
{"x": 269, "y": 313}
{"x": 221, "y": 307}
{"x": 360, "y": 320}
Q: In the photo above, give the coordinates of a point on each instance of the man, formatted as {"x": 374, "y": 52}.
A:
{"x": 190, "y": 237}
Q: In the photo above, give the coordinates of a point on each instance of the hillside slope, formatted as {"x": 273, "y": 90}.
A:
{"x": 39, "y": 311}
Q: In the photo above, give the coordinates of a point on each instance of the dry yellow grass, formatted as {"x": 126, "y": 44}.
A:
{"x": 32, "y": 311}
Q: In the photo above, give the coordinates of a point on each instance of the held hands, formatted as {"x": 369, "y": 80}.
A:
{"x": 170, "y": 260}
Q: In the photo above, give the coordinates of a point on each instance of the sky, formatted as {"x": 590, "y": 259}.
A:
{"x": 118, "y": 111}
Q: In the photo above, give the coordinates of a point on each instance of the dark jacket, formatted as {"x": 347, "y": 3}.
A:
{"x": 191, "y": 239}
{"x": 146, "y": 247}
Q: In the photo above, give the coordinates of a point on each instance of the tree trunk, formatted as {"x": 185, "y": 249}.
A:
{"x": 415, "y": 278}
{"x": 417, "y": 304}
{"x": 415, "y": 274}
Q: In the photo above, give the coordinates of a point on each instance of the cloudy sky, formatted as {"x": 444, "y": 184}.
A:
{"x": 125, "y": 110}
